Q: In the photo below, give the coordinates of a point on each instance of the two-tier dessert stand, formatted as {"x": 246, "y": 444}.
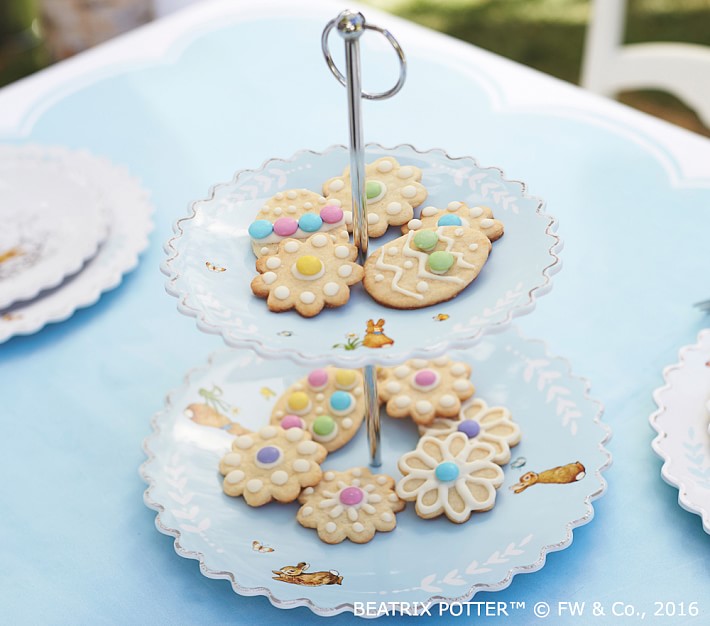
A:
{"x": 210, "y": 267}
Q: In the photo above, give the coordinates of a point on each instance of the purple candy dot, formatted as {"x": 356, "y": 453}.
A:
{"x": 469, "y": 428}
{"x": 285, "y": 226}
{"x": 425, "y": 378}
{"x": 291, "y": 421}
{"x": 331, "y": 214}
{"x": 317, "y": 378}
{"x": 351, "y": 495}
{"x": 268, "y": 454}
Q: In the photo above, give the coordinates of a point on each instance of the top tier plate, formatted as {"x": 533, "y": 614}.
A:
{"x": 211, "y": 265}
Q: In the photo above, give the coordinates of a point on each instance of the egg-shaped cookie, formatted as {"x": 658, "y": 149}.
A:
{"x": 458, "y": 214}
{"x": 426, "y": 267}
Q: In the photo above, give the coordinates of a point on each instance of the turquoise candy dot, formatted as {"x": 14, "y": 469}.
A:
{"x": 449, "y": 220}
{"x": 340, "y": 400}
{"x": 310, "y": 222}
{"x": 447, "y": 471}
{"x": 373, "y": 189}
{"x": 260, "y": 229}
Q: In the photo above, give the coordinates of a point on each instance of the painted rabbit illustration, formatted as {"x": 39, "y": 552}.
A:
{"x": 295, "y": 574}
{"x": 561, "y": 475}
{"x": 375, "y": 336}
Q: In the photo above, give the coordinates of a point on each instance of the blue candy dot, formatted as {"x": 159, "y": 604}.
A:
{"x": 340, "y": 400}
{"x": 310, "y": 222}
{"x": 449, "y": 220}
{"x": 469, "y": 428}
{"x": 260, "y": 229}
{"x": 447, "y": 471}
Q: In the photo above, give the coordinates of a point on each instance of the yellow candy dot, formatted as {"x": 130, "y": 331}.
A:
{"x": 308, "y": 265}
{"x": 297, "y": 401}
{"x": 345, "y": 378}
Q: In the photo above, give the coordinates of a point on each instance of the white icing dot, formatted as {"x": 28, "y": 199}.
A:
{"x": 291, "y": 209}
{"x": 440, "y": 361}
{"x": 461, "y": 385}
{"x": 402, "y": 401}
{"x": 278, "y": 210}
{"x": 453, "y": 206}
{"x": 408, "y": 265}
{"x": 393, "y": 208}
{"x": 447, "y": 401}
{"x": 347, "y": 423}
{"x": 458, "y": 232}
{"x": 307, "y": 447}
{"x": 337, "y": 202}
{"x": 458, "y": 369}
{"x": 357, "y": 391}
{"x": 320, "y": 397}
{"x": 487, "y": 222}
{"x": 301, "y": 465}
{"x": 291, "y": 195}
{"x": 279, "y": 196}
{"x": 381, "y": 480}
{"x": 233, "y": 458}
{"x": 329, "y": 476}
{"x": 379, "y": 278}
{"x": 473, "y": 246}
{"x": 294, "y": 434}
{"x": 422, "y": 286}
{"x": 268, "y": 432}
{"x": 428, "y": 211}
{"x": 423, "y": 406}
{"x": 405, "y": 172}
{"x": 265, "y": 208}
{"x": 475, "y": 211}
{"x": 308, "y": 297}
{"x": 373, "y": 218}
{"x": 414, "y": 224}
{"x": 235, "y": 476}
{"x": 358, "y": 527}
{"x": 401, "y": 371}
{"x": 344, "y": 234}
{"x": 282, "y": 292}
{"x": 308, "y": 491}
{"x": 336, "y": 185}
{"x": 273, "y": 262}
{"x": 384, "y": 166}
{"x": 306, "y": 511}
{"x": 386, "y": 517}
{"x": 331, "y": 527}
{"x": 244, "y": 442}
{"x": 419, "y": 363}
{"x": 264, "y": 251}
{"x": 307, "y": 205}
{"x": 393, "y": 387}
{"x": 319, "y": 240}
{"x": 344, "y": 271}
{"x": 331, "y": 289}
{"x": 392, "y": 251}
{"x": 319, "y": 409}
{"x": 409, "y": 191}
{"x": 254, "y": 485}
{"x": 279, "y": 477}
{"x": 268, "y": 278}
{"x": 292, "y": 246}
{"x": 342, "y": 252}
{"x": 348, "y": 217}
{"x": 393, "y": 497}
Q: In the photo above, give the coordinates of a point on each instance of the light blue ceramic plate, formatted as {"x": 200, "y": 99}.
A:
{"x": 420, "y": 560}
{"x": 215, "y": 235}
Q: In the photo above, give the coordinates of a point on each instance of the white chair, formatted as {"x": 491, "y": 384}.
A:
{"x": 610, "y": 66}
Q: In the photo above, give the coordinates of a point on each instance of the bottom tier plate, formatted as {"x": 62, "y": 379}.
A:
{"x": 421, "y": 560}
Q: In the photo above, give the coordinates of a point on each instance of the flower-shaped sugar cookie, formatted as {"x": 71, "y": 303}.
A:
{"x": 296, "y": 214}
{"x": 478, "y": 421}
{"x": 307, "y": 275}
{"x": 424, "y": 390}
{"x": 392, "y": 191}
{"x": 350, "y": 505}
{"x": 272, "y": 463}
{"x": 458, "y": 214}
{"x": 455, "y": 477}
{"x": 328, "y": 403}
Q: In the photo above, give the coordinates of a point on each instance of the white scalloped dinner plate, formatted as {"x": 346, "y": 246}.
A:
{"x": 682, "y": 426}
{"x": 52, "y": 219}
{"x": 560, "y": 425}
{"x": 129, "y": 212}
{"x": 215, "y": 236}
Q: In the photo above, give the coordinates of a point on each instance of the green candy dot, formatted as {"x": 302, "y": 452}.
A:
{"x": 426, "y": 239}
{"x": 373, "y": 189}
{"x": 440, "y": 261}
{"x": 323, "y": 425}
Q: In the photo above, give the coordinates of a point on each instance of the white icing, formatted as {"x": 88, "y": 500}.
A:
{"x": 453, "y": 206}
{"x": 393, "y": 387}
{"x": 306, "y": 447}
{"x": 402, "y": 401}
{"x": 334, "y": 201}
{"x": 299, "y": 234}
{"x": 461, "y": 385}
{"x": 487, "y": 222}
{"x": 301, "y": 466}
{"x": 381, "y": 480}
{"x": 331, "y": 527}
{"x": 458, "y": 369}
{"x": 233, "y": 458}
{"x": 319, "y": 241}
{"x": 423, "y": 407}
{"x": 473, "y": 247}
{"x": 264, "y": 251}
{"x": 384, "y": 166}
{"x": 392, "y": 251}
{"x": 348, "y": 217}
{"x": 447, "y": 400}
{"x": 273, "y": 263}
{"x": 268, "y": 432}
{"x": 401, "y": 371}
{"x": 307, "y": 205}
{"x": 342, "y": 252}
{"x": 422, "y": 286}
{"x": 278, "y": 210}
{"x": 414, "y": 224}
{"x": 291, "y": 209}
{"x": 329, "y": 476}
{"x": 419, "y": 363}
{"x": 405, "y": 172}
{"x": 408, "y": 265}
{"x": 344, "y": 271}
{"x": 307, "y": 297}
{"x": 372, "y": 218}
{"x": 458, "y": 232}
{"x": 347, "y": 423}
{"x": 475, "y": 211}
{"x": 428, "y": 211}
{"x": 357, "y": 472}
{"x": 358, "y": 527}
{"x": 398, "y": 272}
{"x": 254, "y": 485}
{"x": 440, "y": 361}
{"x": 279, "y": 477}
{"x": 306, "y": 511}
{"x": 268, "y": 278}
{"x": 294, "y": 434}
{"x": 299, "y": 276}
{"x": 393, "y": 208}
{"x": 409, "y": 191}
{"x": 291, "y": 194}
{"x": 292, "y": 246}
{"x": 336, "y": 185}
{"x": 282, "y": 292}
{"x": 379, "y": 278}
{"x": 244, "y": 442}
{"x": 279, "y": 196}
{"x": 386, "y": 517}
{"x": 331, "y": 289}
{"x": 235, "y": 476}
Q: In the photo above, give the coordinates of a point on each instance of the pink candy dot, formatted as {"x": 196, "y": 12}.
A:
{"x": 331, "y": 214}
{"x": 351, "y": 495}
{"x": 425, "y": 378}
{"x": 317, "y": 378}
{"x": 285, "y": 226}
{"x": 291, "y": 421}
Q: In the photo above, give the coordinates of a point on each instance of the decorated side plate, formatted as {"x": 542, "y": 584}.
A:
{"x": 52, "y": 219}
{"x": 211, "y": 265}
{"x": 682, "y": 425}
{"x": 549, "y": 484}
{"x": 128, "y": 209}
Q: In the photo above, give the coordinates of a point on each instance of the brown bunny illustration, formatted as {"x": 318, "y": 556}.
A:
{"x": 375, "y": 336}
{"x": 205, "y": 415}
{"x": 561, "y": 475}
{"x": 295, "y": 575}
